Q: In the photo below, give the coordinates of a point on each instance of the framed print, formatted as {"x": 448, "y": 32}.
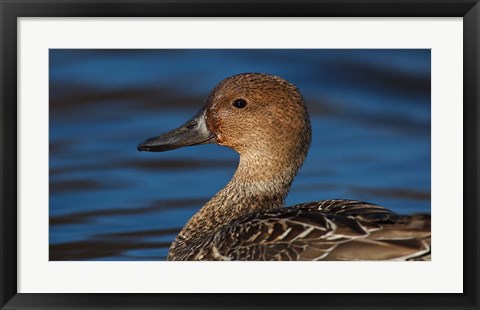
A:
{"x": 120, "y": 120}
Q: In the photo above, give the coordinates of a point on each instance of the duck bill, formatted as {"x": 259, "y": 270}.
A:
{"x": 193, "y": 132}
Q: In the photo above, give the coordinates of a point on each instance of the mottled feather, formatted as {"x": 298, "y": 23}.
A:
{"x": 323, "y": 230}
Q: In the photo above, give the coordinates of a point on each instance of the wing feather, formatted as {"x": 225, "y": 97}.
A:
{"x": 324, "y": 230}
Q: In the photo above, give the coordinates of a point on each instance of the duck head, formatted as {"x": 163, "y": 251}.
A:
{"x": 257, "y": 115}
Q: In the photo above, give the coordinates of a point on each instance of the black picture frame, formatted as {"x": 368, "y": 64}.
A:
{"x": 10, "y": 10}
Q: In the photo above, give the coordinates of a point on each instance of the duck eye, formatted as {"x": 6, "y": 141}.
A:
{"x": 239, "y": 103}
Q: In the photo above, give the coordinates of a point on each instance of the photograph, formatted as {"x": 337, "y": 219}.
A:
{"x": 239, "y": 154}
{"x": 228, "y": 155}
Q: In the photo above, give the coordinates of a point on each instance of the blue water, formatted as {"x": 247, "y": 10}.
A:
{"x": 370, "y": 112}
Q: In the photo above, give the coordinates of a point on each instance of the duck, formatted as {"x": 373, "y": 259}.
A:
{"x": 264, "y": 119}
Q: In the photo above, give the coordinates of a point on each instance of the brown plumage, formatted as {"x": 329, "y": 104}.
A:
{"x": 264, "y": 119}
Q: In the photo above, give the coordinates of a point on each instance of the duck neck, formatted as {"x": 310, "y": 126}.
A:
{"x": 261, "y": 182}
